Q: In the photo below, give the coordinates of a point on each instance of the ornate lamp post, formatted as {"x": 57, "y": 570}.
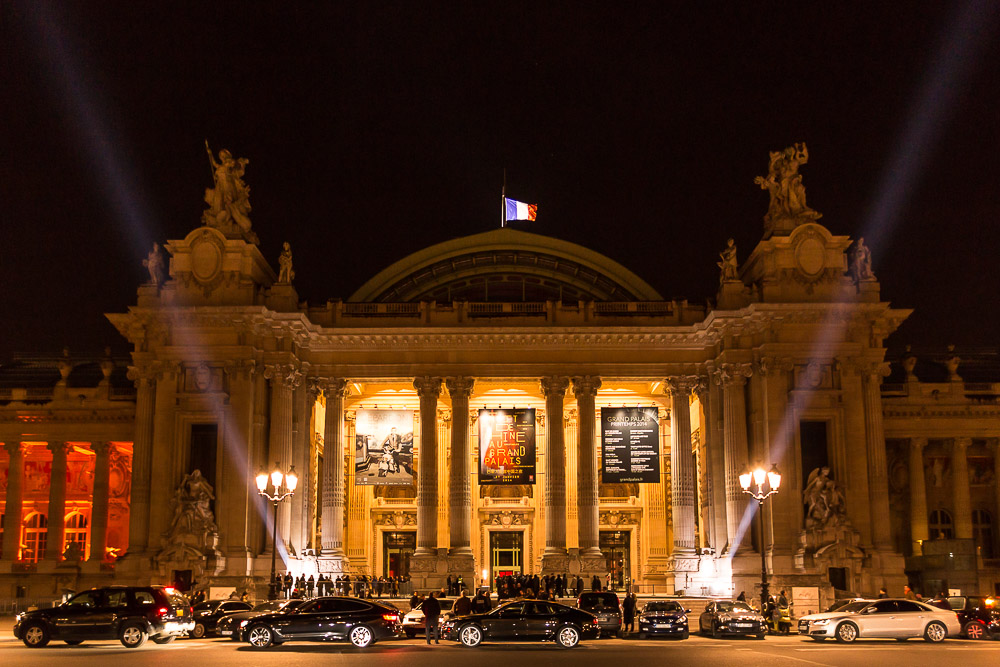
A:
{"x": 284, "y": 486}
{"x": 761, "y": 484}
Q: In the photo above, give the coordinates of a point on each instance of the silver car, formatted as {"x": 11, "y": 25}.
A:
{"x": 894, "y": 618}
{"x": 413, "y": 622}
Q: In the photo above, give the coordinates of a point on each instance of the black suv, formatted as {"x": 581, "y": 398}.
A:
{"x": 606, "y": 607}
{"x": 208, "y": 614}
{"x": 129, "y": 614}
{"x": 980, "y": 617}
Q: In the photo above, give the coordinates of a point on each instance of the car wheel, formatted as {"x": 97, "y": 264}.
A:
{"x": 975, "y": 630}
{"x": 935, "y": 632}
{"x": 568, "y": 636}
{"x": 73, "y": 642}
{"x": 847, "y": 632}
{"x": 470, "y": 636}
{"x": 819, "y": 639}
{"x": 132, "y": 635}
{"x": 410, "y": 633}
{"x": 902, "y": 639}
{"x": 761, "y": 635}
{"x": 715, "y": 631}
{"x": 685, "y": 635}
{"x": 35, "y": 636}
{"x": 199, "y": 631}
{"x": 362, "y": 636}
{"x": 164, "y": 640}
{"x": 260, "y": 636}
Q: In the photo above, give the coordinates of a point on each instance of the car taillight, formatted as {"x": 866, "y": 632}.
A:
{"x": 595, "y": 620}
{"x": 393, "y": 618}
{"x": 161, "y": 612}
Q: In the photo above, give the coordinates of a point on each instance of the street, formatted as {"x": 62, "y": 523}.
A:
{"x": 776, "y": 651}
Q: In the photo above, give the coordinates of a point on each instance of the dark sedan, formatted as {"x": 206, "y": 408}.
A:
{"x": 731, "y": 618}
{"x": 979, "y": 616}
{"x": 524, "y": 620}
{"x": 207, "y": 615}
{"x": 663, "y": 617}
{"x": 362, "y": 622}
{"x": 232, "y": 625}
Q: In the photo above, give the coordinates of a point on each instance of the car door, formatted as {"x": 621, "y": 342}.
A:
{"x": 877, "y": 620}
{"x": 504, "y": 622}
{"x": 705, "y": 620}
{"x": 911, "y": 619}
{"x": 72, "y": 619}
{"x": 314, "y": 620}
{"x": 112, "y": 606}
{"x": 538, "y": 621}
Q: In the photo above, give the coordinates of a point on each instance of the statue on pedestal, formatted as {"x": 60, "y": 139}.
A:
{"x": 229, "y": 201}
{"x": 783, "y": 182}
{"x": 824, "y": 500}
{"x": 285, "y": 272}
{"x": 154, "y": 264}
{"x": 861, "y": 262}
{"x": 730, "y": 269}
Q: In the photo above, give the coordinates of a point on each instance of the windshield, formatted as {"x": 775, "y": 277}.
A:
{"x": 599, "y": 601}
{"x": 853, "y": 607}
{"x": 269, "y": 606}
{"x": 207, "y": 606}
{"x": 662, "y": 606}
{"x": 732, "y": 606}
{"x": 956, "y": 603}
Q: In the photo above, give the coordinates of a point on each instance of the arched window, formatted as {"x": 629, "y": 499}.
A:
{"x": 35, "y": 537}
{"x": 982, "y": 532}
{"x": 941, "y": 526}
{"x": 76, "y": 532}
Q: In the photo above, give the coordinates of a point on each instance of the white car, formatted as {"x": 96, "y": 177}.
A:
{"x": 413, "y": 622}
{"x": 891, "y": 617}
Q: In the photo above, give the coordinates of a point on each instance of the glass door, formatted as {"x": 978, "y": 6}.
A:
{"x": 397, "y": 549}
{"x": 615, "y": 545}
{"x": 506, "y": 553}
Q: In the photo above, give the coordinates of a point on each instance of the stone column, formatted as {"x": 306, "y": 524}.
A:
{"x": 142, "y": 461}
{"x": 995, "y": 448}
{"x": 585, "y": 389}
{"x": 284, "y": 380}
{"x": 428, "y": 389}
{"x": 99, "y": 509}
{"x": 57, "y": 502}
{"x": 15, "y": 497}
{"x": 259, "y": 519}
{"x": 919, "y": 530}
{"x": 878, "y": 478}
{"x": 682, "y": 466}
{"x": 962, "y": 499}
{"x": 712, "y": 440}
{"x": 554, "y": 558}
{"x": 732, "y": 378}
{"x": 332, "y": 517}
{"x": 459, "y": 489}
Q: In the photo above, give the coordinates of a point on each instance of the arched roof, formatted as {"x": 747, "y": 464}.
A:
{"x": 505, "y": 265}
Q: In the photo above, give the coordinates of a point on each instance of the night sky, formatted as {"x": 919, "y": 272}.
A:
{"x": 376, "y": 129}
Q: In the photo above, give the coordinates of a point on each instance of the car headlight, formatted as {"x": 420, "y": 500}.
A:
{"x": 822, "y": 621}
{"x": 682, "y": 619}
{"x": 244, "y": 624}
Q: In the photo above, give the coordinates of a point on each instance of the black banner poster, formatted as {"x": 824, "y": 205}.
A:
{"x": 507, "y": 446}
{"x": 630, "y": 445}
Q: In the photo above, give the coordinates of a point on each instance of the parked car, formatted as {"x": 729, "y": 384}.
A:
{"x": 663, "y": 617}
{"x": 524, "y": 620}
{"x": 606, "y": 607}
{"x": 230, "y": 625}
{"x": 207, "y": 614}
{"x": 362, "y": 622}
{"x": 723, "y": 617}
{"x": 130, "y": 614}
{"x": 889, "y": 617}
{"x": 413, "y": 621}
{"x": 979, "y": 616}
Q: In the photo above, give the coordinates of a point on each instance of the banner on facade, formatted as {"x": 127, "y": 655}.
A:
{"x": 507, "y": 446}
{"x": 630, "y": 445}
{"x": 383, "y": 447}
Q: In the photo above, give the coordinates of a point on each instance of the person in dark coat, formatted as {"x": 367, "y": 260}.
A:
{"x": 463, "y": 605}
{"x": 481, "y": 603}
{"x": 628, "y": 613}
{"x": 595, "y": 584}
{"x": 432, "y": 610}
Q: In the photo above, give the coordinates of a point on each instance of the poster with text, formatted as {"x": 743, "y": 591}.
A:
{"x": 383, "y": 447}
{"x": 630, "y": 445}
{"x": 507, "y": 446}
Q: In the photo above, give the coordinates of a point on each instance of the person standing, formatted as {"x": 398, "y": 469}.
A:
{"x": 882, "y": 593}
{"x": 595, "y": 584}
{"x": 628, "y": 613}
{"x": 463, "y": 605}
{"x": 432, "y": 610}
{"x": 908, "y": 593}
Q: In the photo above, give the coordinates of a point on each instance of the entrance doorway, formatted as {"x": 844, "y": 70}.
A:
{"x": 615, "y": 545}
{"x": 397, "y": 549}
{"x": 506, "y": 553}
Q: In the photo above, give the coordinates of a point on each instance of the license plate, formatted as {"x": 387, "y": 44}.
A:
{"x": 743, "y": 625}
{"x": 225, "y": 633}
{"x": 179, "y": 612}
{"x": 661, "y": 625}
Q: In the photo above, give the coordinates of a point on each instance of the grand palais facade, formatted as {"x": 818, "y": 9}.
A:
{"x": 500, "y": 403}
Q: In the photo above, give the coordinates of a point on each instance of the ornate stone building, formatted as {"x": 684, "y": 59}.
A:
{"x": 234, "y": 374}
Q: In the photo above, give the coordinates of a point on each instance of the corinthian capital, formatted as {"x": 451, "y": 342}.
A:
{"x": 460, "y": 386}
{"x": 283, "y": 374}
{"x": 586, "y": 386}
{"x": 427, "y": 386}
{"x": 733, "y": 374}
{"x": 682, "y": 385}
{"x": 554, "y": 385}
{"x": 329, "y": 386}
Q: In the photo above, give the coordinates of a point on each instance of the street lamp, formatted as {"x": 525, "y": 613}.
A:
{"x": 760, "y": 484}
{"x": 284, "y": 486}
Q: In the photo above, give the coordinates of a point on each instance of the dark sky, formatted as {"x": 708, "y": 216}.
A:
{"x": 376, "y": 129}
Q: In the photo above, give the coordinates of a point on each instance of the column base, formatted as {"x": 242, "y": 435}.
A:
{"x": 463, "y": 565}
{"x": 428, "y": 571}
{"x": 332, "y": 563}
{"x": 555, "y": 562}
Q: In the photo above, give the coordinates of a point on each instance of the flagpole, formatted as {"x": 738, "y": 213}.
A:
{"x": 503, "y": 200}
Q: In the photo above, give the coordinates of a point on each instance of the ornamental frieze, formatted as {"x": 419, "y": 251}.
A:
{"x": 619, "y": 518}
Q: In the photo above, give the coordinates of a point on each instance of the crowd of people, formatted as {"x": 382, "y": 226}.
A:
{"x": 543, "y": 588}
{"x": 289, "y": 586}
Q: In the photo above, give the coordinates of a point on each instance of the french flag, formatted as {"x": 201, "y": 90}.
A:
{"x": 517, "y": 210}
